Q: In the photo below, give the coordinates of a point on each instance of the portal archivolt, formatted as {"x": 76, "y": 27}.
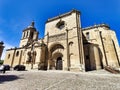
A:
{"x": 56, "y": 56}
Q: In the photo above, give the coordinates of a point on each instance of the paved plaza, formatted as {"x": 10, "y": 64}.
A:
{"x": 59, "y": 80}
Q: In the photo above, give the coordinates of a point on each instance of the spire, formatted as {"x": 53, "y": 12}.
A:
{"x": 1, "y": 43}
{"x": 32, "y": 25}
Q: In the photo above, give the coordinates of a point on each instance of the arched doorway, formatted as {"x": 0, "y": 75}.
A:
{"x": 59, "y": 64}
{"x": 55, "y": 56}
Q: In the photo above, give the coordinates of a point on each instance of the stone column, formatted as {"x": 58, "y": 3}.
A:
{"x": 13, "y": 56}
{"x": 97, "y": 58}
{"x": 20, "y": 58}
{"x": 67, "y": 47}
{"x": 100, "y": 33}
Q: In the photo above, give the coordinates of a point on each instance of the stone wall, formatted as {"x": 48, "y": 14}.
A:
{"x": 105, "y": 39}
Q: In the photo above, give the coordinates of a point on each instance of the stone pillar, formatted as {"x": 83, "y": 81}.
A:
{"x": 13, "y": 56}
{"x": 100, "y": 33}
{"x": 67, "y": 47}
{"x": 97, "y": 58}
{"x": 20, "y": 57}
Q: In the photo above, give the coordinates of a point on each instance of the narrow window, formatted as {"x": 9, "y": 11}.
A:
{"x": 71, "y": 43}
{"x": 23, "y": 36}
{"x": 27, "y": 34}
{"x": 17, "y": 53}
{"x": 8, "y": 56}
{"x": 31, "y": 35}
{"x": 87, "y": 35}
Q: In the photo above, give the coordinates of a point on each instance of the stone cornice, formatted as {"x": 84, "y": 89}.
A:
{"x": 29, "y": 28}
{"x": 62, "y": 15}
{"x": 96, "y": 26}
{"x": 15, "y": 48}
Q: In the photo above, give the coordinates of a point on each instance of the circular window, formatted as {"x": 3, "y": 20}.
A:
{"x": 60, "y": 24}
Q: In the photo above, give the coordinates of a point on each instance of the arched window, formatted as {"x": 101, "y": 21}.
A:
{"x": 17, "y": 53}
{"x": 8, "y": 56}
{"x": 31, "y": 35}
{"x": 23, "y": 35}
{"x": 27, "y": 34}
{"x": 70, "y": 47}
{"x": 70, "y": 43}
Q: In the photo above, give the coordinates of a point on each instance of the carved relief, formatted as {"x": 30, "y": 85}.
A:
{"x": 57, "y": 37}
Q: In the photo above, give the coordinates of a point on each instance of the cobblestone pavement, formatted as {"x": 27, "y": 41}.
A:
{"x": 59, "y": 80}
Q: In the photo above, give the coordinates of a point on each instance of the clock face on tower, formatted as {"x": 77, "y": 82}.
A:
{"x": 60, "y": 24}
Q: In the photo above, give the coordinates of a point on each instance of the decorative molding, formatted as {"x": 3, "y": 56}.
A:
{"x": 57, "y": 37}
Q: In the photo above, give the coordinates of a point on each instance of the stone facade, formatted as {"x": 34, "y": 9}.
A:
{"x": 104, "y": 44}
{"x": 66, "y": 46}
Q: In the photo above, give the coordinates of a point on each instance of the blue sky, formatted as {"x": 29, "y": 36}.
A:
{"x": 15, "y": 15}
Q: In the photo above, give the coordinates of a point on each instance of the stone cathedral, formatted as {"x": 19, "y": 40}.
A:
{"x": 66, "y": 46}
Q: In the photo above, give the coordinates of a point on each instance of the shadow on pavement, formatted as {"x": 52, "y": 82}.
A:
{"x": 6, "y": 78}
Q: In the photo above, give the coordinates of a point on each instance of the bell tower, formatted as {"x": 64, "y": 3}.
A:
{"x": 29, "y": 34}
